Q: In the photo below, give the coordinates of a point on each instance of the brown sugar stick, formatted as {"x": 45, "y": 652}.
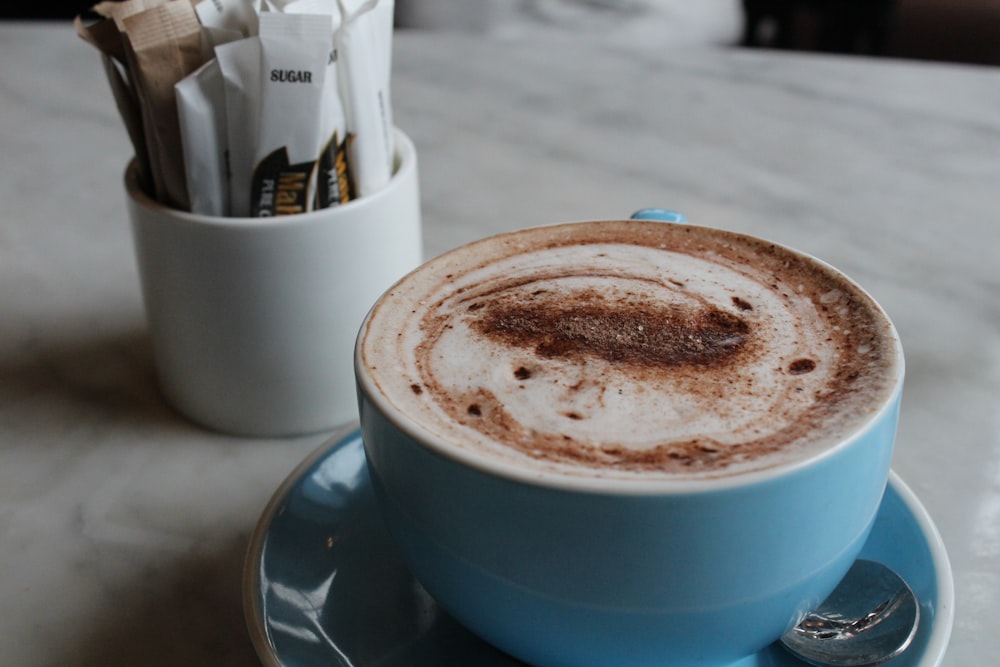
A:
{"x": 162, "y": 46}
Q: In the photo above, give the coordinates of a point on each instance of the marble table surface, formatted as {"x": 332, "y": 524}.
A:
{"x": 123, "y": 526}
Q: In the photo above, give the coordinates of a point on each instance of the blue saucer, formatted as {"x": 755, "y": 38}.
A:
{"x": 323, "y": 585}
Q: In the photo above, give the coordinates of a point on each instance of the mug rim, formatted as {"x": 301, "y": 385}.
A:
{"x": 405, "y": 162}
{"x": 497, "y": 467}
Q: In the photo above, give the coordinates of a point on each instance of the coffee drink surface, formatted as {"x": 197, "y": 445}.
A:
{"x": 631, "y": 349}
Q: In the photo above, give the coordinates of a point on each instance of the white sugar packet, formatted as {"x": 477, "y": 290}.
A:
{"x": 239, "y": 64}
{"x": 201, "y": 109}
{"x": 230, "y": 15}
{"x": 295, "y": 50}
{"x": 364, "y": 45}
{"x": 333, "y": 183}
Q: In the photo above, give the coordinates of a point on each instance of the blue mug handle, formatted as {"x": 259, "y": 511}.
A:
{"x": 660, "y": 214}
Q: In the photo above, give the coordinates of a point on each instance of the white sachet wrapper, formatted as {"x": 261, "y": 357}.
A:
{"x": 239, "y": 63}
{"x": 326, "y": 7}
{"x": 231, "y": 15}
{"x": 262, "y": 6}
{"x": 333, "y": 182}
{"x": 294, "y": 53}
{"x": 201, "y": 111}
{"x": 213, "y": 37}
{"x": 364, "y": 45}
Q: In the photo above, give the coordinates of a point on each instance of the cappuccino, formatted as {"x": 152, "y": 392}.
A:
{"x": 628, "y": 349}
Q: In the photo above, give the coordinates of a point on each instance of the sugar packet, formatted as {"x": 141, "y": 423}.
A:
{"x": 364, "y": 44}
{"x": 334, "y": 185}
{"x": 201, "y": 108}
{"x": 294, "y": 52}
{"x": 162, "y": 46}
{"x": 146, "y": 47}
{"x": 252, "y": 107}
{"x": 239, "y": 64}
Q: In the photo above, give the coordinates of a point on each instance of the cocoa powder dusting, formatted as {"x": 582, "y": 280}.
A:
{"x": 636, "y": 334}
{"x": 800, "y": 366}
{"x": 688, "y": 345}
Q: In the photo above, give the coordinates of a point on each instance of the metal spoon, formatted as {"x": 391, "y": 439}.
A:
{"x": 869, "y": 618}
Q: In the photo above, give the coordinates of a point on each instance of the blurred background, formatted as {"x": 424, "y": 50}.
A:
{"x": 966, "y": 31}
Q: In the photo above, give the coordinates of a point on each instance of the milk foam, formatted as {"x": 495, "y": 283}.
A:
{"x": 627, "y": 348}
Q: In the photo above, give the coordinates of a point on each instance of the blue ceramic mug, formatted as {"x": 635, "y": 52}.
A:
{"x": 568, "y": 573}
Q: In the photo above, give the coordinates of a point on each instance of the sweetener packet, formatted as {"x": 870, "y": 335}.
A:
{"x": 239, "y": 64}
{"x": 237, "y": 16}
{"x": 107, "y": 35}
{"x": 272, "y": 5}
{"x": 333, "y": 182}
{"x": 104, "y": 36}
{"x": 292, "y": 113}
{"x": 201, "y": 108}
{"x": 162, "y": 46}
{"x": 294, "y": 52}
{"x": 364, "y": 45}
